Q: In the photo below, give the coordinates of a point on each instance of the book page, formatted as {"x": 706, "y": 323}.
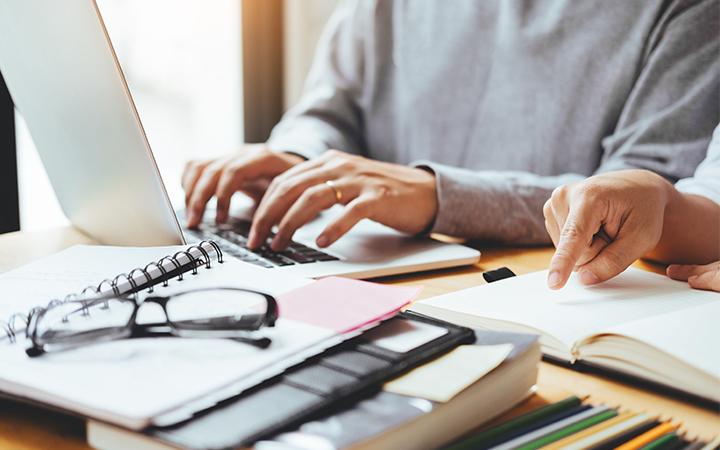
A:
{"x": 690, "y": 335}
{"x": 576, "y": 311}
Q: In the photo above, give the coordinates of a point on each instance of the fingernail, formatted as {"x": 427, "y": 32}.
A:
{"x": 323, "y": 241}
{"x": 252, "y": 239}
{"x": 692, "y": 279}
{"x": 587, "y": 277}
{"x": 554, "y": 280}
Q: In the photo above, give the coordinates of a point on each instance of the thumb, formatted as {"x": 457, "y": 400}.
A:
{"x": 612, "y": 260}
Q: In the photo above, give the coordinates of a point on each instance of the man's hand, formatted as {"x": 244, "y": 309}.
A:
{"x": 249, "y": 170}
{"x": 400, "y": 197}
{"x": 705, "y": 277}
{"x": 602, "y": 225}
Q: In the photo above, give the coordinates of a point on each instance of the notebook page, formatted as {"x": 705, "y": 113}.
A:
{"x": 129, "y": 381}
{"x": 70, "y": 271}
{"x": 576, "y": 311}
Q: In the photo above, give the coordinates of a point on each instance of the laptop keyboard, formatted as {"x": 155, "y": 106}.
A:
{"x": 232, "y": 239}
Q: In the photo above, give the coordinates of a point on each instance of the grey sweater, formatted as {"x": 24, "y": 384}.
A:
{"x": 506, "y": 100}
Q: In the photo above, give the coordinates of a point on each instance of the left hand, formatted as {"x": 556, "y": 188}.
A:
{"x": 400, "y": 197}
{"x": 705, "y": 277}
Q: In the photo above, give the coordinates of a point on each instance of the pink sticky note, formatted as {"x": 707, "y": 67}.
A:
{"x": 342, "y": 304}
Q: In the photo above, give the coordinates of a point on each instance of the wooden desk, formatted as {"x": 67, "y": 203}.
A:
{"x": 23, "y": 427}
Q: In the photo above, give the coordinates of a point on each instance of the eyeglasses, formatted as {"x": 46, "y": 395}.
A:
{"x": 227, "y": 313}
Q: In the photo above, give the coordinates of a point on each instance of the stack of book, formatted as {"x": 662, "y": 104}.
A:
{"x": 574, "y": 424}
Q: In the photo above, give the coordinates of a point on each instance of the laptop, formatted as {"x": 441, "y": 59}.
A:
{"x": 65, "y": 79}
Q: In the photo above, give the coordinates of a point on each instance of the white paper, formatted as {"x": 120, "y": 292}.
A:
{"x": 576, "y": 311}
{"x": 402, "y": 336}
{"x": 443, "y": 378}
{"x": 669, "y": 333}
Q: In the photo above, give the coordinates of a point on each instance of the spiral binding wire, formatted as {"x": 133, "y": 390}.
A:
{"x": 18, "y": 322}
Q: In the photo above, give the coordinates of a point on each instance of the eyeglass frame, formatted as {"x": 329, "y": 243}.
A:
{"x": 132, "y": 329}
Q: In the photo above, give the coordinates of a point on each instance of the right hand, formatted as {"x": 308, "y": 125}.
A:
{"x": 249, "y": 170}
{"x": 603, "y": 224}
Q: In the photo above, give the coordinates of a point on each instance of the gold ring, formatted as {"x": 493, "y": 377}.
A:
{"x": 336, "y": 191}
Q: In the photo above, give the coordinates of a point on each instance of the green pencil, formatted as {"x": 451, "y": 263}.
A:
{"x": 662, "y": 441}
{"x": 489, "y": 437}
{"x": 568, "y": 430}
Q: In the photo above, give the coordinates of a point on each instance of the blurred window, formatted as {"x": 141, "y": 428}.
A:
{"x": 183, "y": 63}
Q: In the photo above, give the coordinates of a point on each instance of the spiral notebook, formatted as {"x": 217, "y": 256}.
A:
{"x": 158, "y": 381}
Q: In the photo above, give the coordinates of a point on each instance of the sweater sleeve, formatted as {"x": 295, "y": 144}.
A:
{"x": 328, "y": 114}
{"x": 665, "y": 126}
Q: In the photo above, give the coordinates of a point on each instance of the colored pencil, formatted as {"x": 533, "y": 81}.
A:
{"x": 520, "y": 425}
{"x": 611, "y": 432}
{"x": 550, "y": 428}
{"x": 572, "y": 440}
{"x": 662, "y": 442}
{"x": 678, "y": 444}
{"x": 527, "y": 429}
{"x": 649, "y": 436}
{"x": 628, "y": 435}
{"x": 567, "y": 431}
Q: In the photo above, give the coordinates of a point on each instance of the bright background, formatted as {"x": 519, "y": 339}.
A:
{"x": 183, "y": 63}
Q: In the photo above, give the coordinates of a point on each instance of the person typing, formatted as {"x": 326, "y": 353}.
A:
{"x": 461, "y": 119}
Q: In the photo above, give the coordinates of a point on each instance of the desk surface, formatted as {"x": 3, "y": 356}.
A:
{"x": 24, "y": 427}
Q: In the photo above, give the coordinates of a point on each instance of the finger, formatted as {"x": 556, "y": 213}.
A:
{"x": 590, "y": 253}
{"x": 560, "y": 209}
{"x": 709, "y": 280}
{"x": 234, "y": 176}
{"x": 575, "y": 237}
{"x": 203, "y": 191}
{"x": 314, "y": 200}
{"x": 190, "y": 176}
{"x": 298, "y": 169}
{"x": 553, "y": 230}
{"x": 279, "y": 198}
{"x": 358, "y": 209}
{"x": 612, "y": 260}
{"x": 229, "y": 182}
{"x": 684, "y": 271}
{"x": 324, "y": 160}
{"x": 551, "y": 223}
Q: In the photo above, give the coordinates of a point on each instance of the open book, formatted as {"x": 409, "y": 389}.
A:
{"x": 639, "y": 324}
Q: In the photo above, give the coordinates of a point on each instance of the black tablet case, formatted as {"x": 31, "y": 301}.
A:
{"x": 353, "y": 370}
